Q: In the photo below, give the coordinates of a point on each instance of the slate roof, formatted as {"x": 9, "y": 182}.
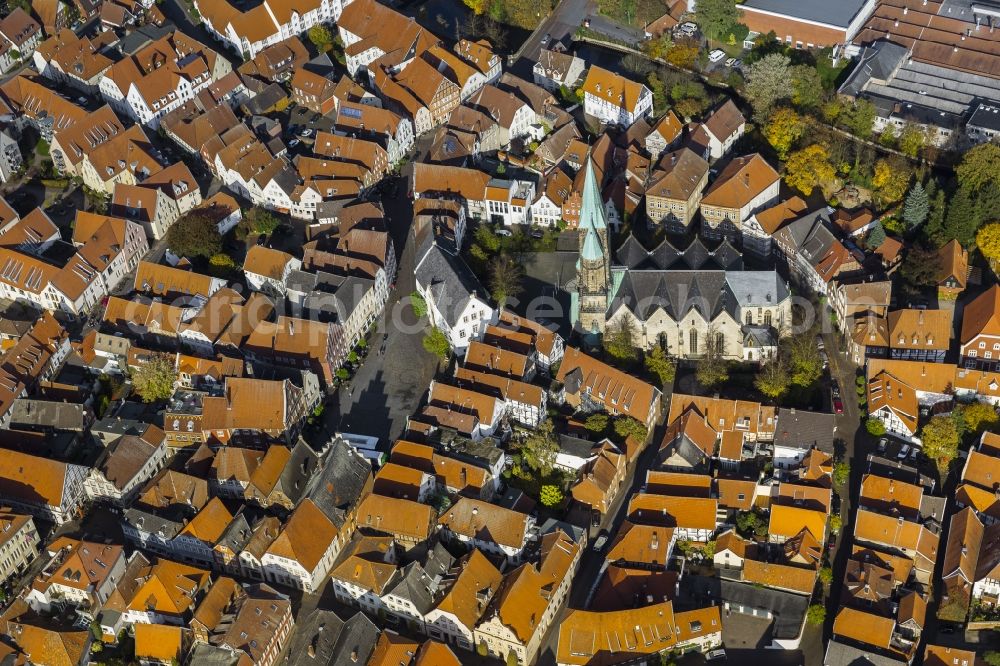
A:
{"x": 449, "y": 279}
{"x": 665, "y": 256}
{"x": 677, "y": 292}
{"x": 804, "y": 430}
{"x": 788, "y": 608}
{"x": 841, "y": 654}
{"x": 341, "y": 482}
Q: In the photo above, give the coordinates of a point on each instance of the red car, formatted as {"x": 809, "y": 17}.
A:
{"x": 838, "y": 406}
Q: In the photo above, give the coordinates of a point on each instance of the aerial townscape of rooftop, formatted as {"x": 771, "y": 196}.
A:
{"x": 441, "y": 332}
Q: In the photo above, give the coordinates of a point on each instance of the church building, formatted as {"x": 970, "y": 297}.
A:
{"x": 685, "y": 300}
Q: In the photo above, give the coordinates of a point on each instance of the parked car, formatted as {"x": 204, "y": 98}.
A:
{"x": 838, "y": 406}
{"x": 715, "y": 655}
{"x": 903, "y": 452}
{"x": 293, "y": 143}
{"x": 537, "y": 234}
{"x": 546, "y": 38}
{"x": 882, "y": 444}
{"x": 831, "y": 541}
{"x": 819, "y": 342}
{"x": 307, "y": 132}
{"x": 716, "y": 55}
{"x": 730, "y": 62}
{"x": 503, "y": 232}
{"x": 826, "y": 359}
{"x": 600, "y": 541}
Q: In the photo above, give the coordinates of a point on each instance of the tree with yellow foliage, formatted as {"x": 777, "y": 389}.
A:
{"x": 808, "y": 168}
{"x": 477, "y": 6}
{"x": 891, "y": 180}
{"x": 783, "y": 129}
{"x": 988, "y": 241}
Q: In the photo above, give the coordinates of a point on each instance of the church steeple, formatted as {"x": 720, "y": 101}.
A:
{"x": 593, "y": 269}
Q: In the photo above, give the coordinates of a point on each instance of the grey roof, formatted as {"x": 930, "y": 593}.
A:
{"x": 340, "y": 484}
{"x": 576, "y": 446}
{"x": 153, "y": 523}
{"x": 438, "y": 561}
{"x": 906, "y": 88}
{"x": 796, "y": 428}
{"x": 44, "y": 413}
{"x": 893, "y": 468}
{"x": 315, "y": 638}
{"x": 266, "y": 98}
{"x": 204, "y": 654}
{"x": 575, "y": 532}
{"x": 667, "y": 256}
{"x": 756, "y": 288}
{"x": 236, "y": 534}
{"x": 113, "y": 426}
{"x": 788, "y": 609}
{"x": 708, "y": 292}
{"x": 300, "y": 281}
{"x": 340, "y": 304}
{"x": 450, "y": 281}
{"x": 762, "y": 336}
{"x": 356, "y": 642}
{"x": 986, "y": 116}
{"x": 415, "y": 586}
{"x": 841, "y": 654}
{"x": 877, "y": 61}
{"x": 838, "y": 13}
{"x": 142, "y": 36}
{"x": 299, "y": 470}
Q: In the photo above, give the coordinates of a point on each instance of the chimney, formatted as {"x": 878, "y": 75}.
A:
{"x": 746, "y": 180}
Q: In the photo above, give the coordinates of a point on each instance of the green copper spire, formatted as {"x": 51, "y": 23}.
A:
{"x": 592, "y": 250}
{"x": 592, "y": 208}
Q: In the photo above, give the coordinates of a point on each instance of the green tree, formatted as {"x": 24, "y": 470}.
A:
{"x": 657, "y": 362}
{"x": 712, "y": 368}
{"x": 626, "y": 426}
{"x": 912, "y": 140}
{"x": 550, "y": 495}
{"x": 773, "y": 379}
{"x": 841, "y": 472}
{"x": 826, "y": 575}
{"x": 992, "y": 657}
{"x": 962, "y": 218}
{"x": 436, "y": 342}
{"x": 620, "y": 340}
{"x": 418, "y": 304}
{"x": 194, "y": 235}
{"x": 978, "y": 416}
{"x": 875, "y": 427}
{"x": 807, "y": 87}
{"x": 749, "y": 524}
{"x": 804, "y": 359}
{"x": 876, "y": 236}
{"x": 505, "y": 279}
{"x": 537, "y": 452}
{"x": 717, "y": 18}
{"x": 321, "y": 37}
{"x": 596, "y": 422}
{"x": 979, "y": 167}
{"x": 920, "y": 268}
{"x": 836, "y": 523}
{"x": 487, "y": 240}
{"x": 154, "y": 380}
{"x": 512, "y": 659}
{"x": 940, "y": 438}
{"x": 809, "y": 168}
{"x": 859, "y": 118}
{"x": 261, "y": 221}
{"x": 782, "y": 129}
{"x": 767, "y": 82}
{"x": 816, "y": 614}
{"x": 935, "y": 217}
{"x": 916, "y": 206}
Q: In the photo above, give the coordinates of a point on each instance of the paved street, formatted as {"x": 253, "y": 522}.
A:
{"x": 389, "y": 387}
{"x": 560, "y": 24}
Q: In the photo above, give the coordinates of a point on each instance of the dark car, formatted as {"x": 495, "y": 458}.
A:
{"x": 831, "y": 542}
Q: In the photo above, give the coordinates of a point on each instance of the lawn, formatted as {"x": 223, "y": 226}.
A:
{"x": 636, "y": 13}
